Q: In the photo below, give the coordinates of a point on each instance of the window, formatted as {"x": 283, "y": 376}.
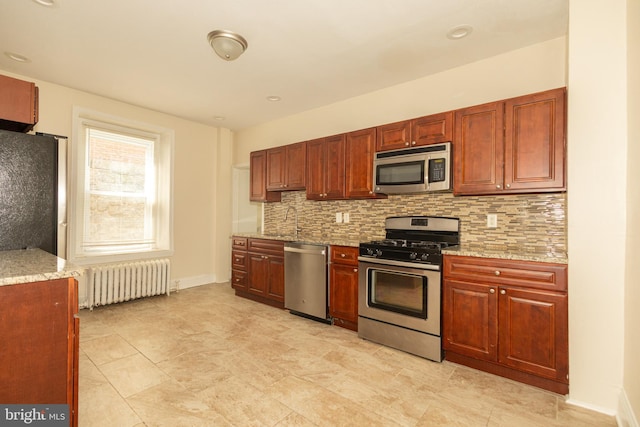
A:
{"x": 121, "y": 177}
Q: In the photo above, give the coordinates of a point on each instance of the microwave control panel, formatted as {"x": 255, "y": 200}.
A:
{"x": 437, "y": 170}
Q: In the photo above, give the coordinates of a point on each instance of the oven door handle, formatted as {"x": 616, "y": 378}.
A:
{"x": 395, "y": 263}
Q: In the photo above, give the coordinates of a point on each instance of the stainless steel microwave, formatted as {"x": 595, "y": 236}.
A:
{"x": 413, "y": 170}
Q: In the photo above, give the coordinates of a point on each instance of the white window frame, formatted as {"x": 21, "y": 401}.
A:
{"x": 163, "y": 210}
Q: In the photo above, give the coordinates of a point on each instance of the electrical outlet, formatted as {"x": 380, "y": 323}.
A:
{"x": 492, "y": 220}
{"x": 338, "y": 216}
{"x": 345, "y": 217}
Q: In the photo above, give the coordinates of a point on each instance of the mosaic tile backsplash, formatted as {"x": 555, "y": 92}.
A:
{"x": 528, "y": 222}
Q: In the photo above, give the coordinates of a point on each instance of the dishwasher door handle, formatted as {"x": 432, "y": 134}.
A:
{"x": 305, "y": 251}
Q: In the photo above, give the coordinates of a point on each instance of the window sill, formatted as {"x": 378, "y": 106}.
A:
{"x": 121, "y": 257}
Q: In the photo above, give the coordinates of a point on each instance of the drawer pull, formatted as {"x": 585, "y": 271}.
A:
{"x": 355, "y": 270}
{"x": 497, "y": 272}
{"x": 492, "y": 291}
{"x": 343, "y": 255}
{"x": 503, "y": 292}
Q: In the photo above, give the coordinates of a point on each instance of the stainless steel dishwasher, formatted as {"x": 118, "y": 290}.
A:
{"x": 305, "y": 279}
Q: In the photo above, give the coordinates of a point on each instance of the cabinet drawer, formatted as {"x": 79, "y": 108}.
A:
{"x": 530, "y": 274}
{"x": 344, "y": 255}
{"x": 239, "y": 243}
{"x": 239, "y": 260}
{"x": 238, "y": 279}
{"x": 266, "y": 246}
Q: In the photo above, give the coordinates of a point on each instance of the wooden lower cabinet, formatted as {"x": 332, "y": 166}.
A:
{"x": 239, "y": 263}
{"x": 40, "y": 327}
{"x": 258, "y": 270}
{"x": 343, "y": 287}
{"x": 509, "y": 318}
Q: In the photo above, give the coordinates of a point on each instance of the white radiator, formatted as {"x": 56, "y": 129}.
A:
{"x": 113, "y": 283}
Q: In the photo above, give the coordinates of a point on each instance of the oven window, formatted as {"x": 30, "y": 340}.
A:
{"x": 400, "y": 173}
{"x": 398, "y": 292}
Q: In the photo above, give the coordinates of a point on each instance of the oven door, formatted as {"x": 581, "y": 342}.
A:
{"x": 400, "y": 293}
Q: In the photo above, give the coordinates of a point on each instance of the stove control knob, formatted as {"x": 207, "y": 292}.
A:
{"x": 413, "y": 255}
{"x": 378, "y": 252}
{"x": 369, "y": 251}
{"x": 425, "y": 257}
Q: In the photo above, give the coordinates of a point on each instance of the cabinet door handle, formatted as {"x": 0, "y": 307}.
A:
{"x": 492, "y": 291}
{"x": 497, "y": 272}
{"x": 498, "y": 186}
{"x": 355, "y": 270}
{"x": 406, "y": 143}
{"x": 503, "y": 292}
{"x": 413, "y": 143}
{"x": 508, "y": 185}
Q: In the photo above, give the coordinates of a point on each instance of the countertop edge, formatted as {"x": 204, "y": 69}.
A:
{"x": 34, "y": 265}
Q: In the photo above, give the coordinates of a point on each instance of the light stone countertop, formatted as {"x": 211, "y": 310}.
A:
{"x": 487, "y": 251}
{"x": 302, "y": 239}
{"x": 34, "y": 265}
{"x": 476, "y": 250}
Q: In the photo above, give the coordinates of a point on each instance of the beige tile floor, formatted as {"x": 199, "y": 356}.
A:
{"x": 204, "y": 357}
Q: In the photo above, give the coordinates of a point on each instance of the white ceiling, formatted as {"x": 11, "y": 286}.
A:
{"x": 155, "y": 54}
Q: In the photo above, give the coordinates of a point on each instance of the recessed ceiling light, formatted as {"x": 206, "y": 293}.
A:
{"x": 46, "y": 3}
{"x": 273, "y": 98}
{"x": 17, "y": 57}
{"x": 459, "y": 32}
{"x": 218, "y": 118}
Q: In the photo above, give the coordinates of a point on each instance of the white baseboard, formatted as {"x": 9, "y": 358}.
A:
{"x": 625, "y": 416}
{"x": 602, "y": 410}
{"x": 191, "y": 282}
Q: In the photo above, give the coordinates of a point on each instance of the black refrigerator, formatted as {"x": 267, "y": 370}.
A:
{"x": 29, "y": 203}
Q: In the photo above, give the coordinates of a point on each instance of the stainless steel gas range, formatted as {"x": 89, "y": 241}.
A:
{"x": 400, "y": 282}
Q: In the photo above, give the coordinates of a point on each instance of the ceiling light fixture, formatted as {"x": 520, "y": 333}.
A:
{"x": 16, "y": 57}
{"x": 226, "y": 44}
{"x": 46, "y": 3}
{"x": 273, "y": 98}
{"x": 459, "y": 32}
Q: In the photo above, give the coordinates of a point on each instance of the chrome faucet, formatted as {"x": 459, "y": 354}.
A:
{"x": 286, "y": 214}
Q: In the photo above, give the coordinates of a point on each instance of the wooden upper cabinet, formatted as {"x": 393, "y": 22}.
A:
{"x": 326, "y": 168}
{"x": 535, "y": 142}
{"x": 512, "y": 146}
{"x": 286, "y": 167}
{"x": 18, "y": 104}
{"x": 360, "y": 150}
{"x": 258, "y": 179}
{"x": 426, "y": 130}
{"x": 393, "y": 136}
{"x": 478, "y": 149}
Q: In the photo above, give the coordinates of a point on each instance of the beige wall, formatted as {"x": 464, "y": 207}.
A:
{"x": 632, "y": 281}
{"x": 198, "y": 149}
{"x": 597, "y": 130}
{"x": 532, "y": 69}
